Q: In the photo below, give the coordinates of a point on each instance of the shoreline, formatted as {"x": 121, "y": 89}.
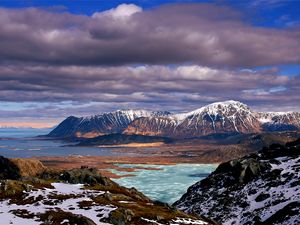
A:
{"x": 134, "y": 145}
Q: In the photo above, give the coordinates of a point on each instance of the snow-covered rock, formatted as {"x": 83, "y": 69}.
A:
{"x": 9, "y": 211}
{"x": 261, "y": 188}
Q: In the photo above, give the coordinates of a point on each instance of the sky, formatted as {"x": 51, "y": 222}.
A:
{"x": 62, "y": 58}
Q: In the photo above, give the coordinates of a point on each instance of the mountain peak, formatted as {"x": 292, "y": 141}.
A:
{"x": 229, "y": 102}
{"x": 226, "y": 104}
{"x": 225, "y": 107}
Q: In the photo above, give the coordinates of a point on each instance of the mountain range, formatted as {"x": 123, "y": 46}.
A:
{"x": 217, "y": 118}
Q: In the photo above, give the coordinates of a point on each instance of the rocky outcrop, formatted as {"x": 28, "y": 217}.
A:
{"x": 84, "y": 175}
{"x": 260, "y": 188}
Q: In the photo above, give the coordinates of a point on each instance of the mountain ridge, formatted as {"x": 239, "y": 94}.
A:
{"x": 219, "y": 117}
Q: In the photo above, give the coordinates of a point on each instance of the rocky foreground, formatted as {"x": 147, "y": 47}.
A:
{"x": 32, "y": 194}
{"x": 260, "y": 188}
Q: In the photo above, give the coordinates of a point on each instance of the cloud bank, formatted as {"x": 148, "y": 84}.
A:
{"x": 203, "y": 34}
{"x": 175, "y": 57}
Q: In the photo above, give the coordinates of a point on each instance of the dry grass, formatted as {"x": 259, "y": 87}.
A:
{"x": 28, "y": 167}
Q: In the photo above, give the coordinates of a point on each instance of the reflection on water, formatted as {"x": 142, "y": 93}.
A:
{"x": 167, "y": 184}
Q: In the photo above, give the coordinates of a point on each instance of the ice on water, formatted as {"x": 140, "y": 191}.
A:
{"x": 167, "y": 184}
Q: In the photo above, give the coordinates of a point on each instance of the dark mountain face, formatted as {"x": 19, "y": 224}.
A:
{"x": 217, "y": 118}
{"x": 260, "y": 188}
{"x": 66, "y": 128}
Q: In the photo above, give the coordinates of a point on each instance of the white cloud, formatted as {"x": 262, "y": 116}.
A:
{"x": 121, "y": 12}
{"x": 196, "y": 72}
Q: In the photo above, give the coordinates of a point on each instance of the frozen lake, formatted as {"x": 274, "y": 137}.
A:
{"x": 167, "y": 184}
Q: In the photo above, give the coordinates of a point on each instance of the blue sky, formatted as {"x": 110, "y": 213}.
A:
{"x": 71, "y": 57}
{"x": 269, "y": 13}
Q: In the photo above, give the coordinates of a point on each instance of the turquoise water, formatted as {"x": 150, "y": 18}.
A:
{"x": 167, "y": 184}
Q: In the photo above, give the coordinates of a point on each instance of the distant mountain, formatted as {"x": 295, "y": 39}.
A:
{"x": 280, "y": 121}
{"x": 217, "y": 118}
{"x": 106, "y": 123}
{"x": 16, "y": 127}
{"x": 260, "y": 188}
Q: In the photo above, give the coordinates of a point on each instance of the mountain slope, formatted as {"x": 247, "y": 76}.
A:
{"x": 216, "y": 118}
{"x": 281, "y": 121}
{"x": 222, "y": 117}
{"x": 261, "y": 188}
{"x": 106, "y": 123}
{"x": 155, "y": 126}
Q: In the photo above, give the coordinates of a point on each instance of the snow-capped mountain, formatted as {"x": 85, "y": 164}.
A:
{"x": 280, "y": 121}
{"x": 261, "y": 188}
{"x": 230, "y": 115}
{"x": 106, "y": 123}
{"x": 216, "y": 118}
{"x": 220, "y": 117}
